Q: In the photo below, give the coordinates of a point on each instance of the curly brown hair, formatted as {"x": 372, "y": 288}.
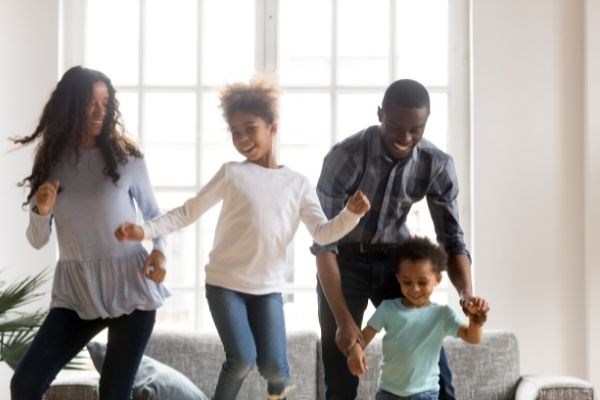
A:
{"x": 418, "y": 248}
{"x": 62, "y": 128}
{"x": 259, "y": 96}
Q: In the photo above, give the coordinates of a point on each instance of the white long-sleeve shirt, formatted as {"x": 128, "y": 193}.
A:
{"x": 261, "y": 211}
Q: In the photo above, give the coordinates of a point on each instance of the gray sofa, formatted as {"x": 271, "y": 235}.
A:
{"x": 488, "y": 371}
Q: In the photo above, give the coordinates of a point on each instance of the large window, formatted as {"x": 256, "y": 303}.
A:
{"x": 333, "y": 60}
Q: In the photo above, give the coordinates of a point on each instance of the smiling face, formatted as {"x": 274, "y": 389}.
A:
{"x": 417, "y": 280}
{"x": 402, "y": 128}
{"x": 252, "y": 137}
{"x": 96, "y": 113}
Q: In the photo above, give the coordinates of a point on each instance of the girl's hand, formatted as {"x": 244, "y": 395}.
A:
{"x": 358, "y": 203}
{"x": 154, "y": 267}
{"x": 129, "y": 231}
{"x": 45, "y": 197}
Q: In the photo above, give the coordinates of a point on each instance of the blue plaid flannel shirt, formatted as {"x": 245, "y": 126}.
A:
{"x": 360, "y": 163}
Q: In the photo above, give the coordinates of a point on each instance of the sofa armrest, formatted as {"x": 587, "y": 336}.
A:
{"x": 548, "y": 387}
{"x": 74, "y": 385}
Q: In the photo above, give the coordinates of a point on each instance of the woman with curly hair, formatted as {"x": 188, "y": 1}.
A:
{"x": 88, "y": 176}
{"x": 263, "y": 204}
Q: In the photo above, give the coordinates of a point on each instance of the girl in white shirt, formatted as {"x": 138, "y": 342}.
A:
{"x": 263, "y": 204}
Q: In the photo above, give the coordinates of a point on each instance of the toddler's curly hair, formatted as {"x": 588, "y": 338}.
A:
{"x": 259, "y": 96}
{"x": 418, "y": 248}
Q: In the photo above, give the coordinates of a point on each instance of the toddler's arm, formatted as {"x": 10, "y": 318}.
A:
{"x": 355, "y": 356}
{"x": 356, "y": 360}
{"x": 477, "y": 309}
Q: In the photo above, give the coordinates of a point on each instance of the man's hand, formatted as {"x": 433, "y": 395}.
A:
{"x": 347, "y": 335}
{"x": 154, "y": 267}
{"x": 129, "y": 231}
{"x": 358, "y": 203}
{"x": 45, "y": 197}
{"x": 476, "y": 308}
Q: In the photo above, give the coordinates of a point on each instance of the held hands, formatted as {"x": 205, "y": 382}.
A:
{"x": 358, "y": 203}
{"x": 357, "y": 361}
{"x": 476, "y": 308}
{"x": 347, "y": 335}
{"x": 154, "y": 267}
{"x": 45, "y": 197}
{"x": 129, "y": 231}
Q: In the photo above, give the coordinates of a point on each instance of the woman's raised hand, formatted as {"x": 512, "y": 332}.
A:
{"x": 45, "y": 197}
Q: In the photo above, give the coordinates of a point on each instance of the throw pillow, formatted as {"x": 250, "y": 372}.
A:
{"x": 154, "y": 380}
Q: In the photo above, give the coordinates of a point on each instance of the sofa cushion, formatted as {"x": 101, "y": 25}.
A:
{"x": 488, "y": 370}
{"x": 200, "y": 355}
{"x": 153, "y": 380}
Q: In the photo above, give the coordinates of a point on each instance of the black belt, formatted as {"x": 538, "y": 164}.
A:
{"x": 367, "y": 248}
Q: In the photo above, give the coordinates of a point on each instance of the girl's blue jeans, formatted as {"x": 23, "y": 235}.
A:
{"x": 252, "y": 329}
{"x": 63, "y": 334}
{"x": 383, "y": 395}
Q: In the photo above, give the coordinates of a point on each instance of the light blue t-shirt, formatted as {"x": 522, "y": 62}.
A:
{"x": 412, "y": 343}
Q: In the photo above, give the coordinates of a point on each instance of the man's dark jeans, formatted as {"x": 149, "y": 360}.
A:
{"x": 365, "y": 276}
{"x": 63, "y": 334}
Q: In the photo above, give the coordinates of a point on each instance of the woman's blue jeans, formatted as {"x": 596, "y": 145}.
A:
{"x": 383, "y": 395}
{"x": 252, "y": 329}
{"x": 63, "y": 334}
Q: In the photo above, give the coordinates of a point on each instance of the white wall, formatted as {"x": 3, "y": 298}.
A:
{"x": 28, "y": 71}
{"x": 536, "y": 166}
{"x": 592, "y": 186}
{"x": 528, "y": 103}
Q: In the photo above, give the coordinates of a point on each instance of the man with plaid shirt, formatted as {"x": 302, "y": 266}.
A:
{"x": 394, "y": 167}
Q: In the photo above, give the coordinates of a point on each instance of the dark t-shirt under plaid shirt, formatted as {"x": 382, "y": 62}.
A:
{"x": 360, "y": 163}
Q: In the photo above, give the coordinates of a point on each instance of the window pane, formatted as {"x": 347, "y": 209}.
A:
{"x": 422, "y": 40}
{"x": 356, "y": 111}
{"x": 128, "y": 106}
{"x": 436, "y": 130}
{"x": 170, "y": 39}
{"x": 213, "y": 157}
{"x": 301, "y": 313}
{"x": 177, "y": 312}
{"x": 181, "y": 245}
{"x": 171, "y": 165}
{"x": 305, "y": 270}
{"x": 305, "y": 119}
{"x": 112, "y": 39}
{"x": 213, "y": 127}
{"x": 363, "y": 54}
{"x": 304, "y": 42}
{"x": 170, "y": 118}
{"x": 228, "y": 38}
{"x": 306, "y": 160}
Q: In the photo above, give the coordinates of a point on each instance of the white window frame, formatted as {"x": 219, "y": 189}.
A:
{"x": 72, "y": 52}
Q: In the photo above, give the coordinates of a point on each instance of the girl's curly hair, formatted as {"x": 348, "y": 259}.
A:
{"x": 62, "y": 128}
{"x": 259, "y": 96}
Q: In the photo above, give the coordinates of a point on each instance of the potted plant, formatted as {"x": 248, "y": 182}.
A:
{"x": 17, "y": 327}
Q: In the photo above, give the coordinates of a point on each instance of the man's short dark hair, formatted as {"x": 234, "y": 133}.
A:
{"x": 406, "y": 93}
{"x": 419, "y": 248}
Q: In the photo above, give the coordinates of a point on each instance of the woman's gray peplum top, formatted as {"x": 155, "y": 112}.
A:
{"x": 96, "y": 275}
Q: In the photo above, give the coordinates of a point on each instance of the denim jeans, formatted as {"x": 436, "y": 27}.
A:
{"x": 252, "y": 329}
{"x": 365, "y": 276}
{"x": 63, "y": 334}
{"x": 383, "y": 395}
